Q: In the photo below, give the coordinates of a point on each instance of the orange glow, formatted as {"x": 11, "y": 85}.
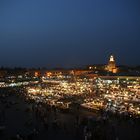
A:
{"x": 37, "y": 74}
{"x": 48, "y": 74}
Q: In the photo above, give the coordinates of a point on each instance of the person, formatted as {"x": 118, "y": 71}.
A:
{"x": 85, "y": 130}
{"x": 46, "y": 123}
{"x": 89, "y": 135}
{"x": 85, "y": 137}
{"x": 19, "y": 137}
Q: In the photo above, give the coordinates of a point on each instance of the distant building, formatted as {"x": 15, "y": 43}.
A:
{"x": 111, "y": 67}
{"x": 97, "y": 67}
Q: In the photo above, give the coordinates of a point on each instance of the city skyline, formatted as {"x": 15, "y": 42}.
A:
{"x": 69, "y": 33}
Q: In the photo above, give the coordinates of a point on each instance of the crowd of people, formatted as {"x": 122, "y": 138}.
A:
{"x": 45, "y": 119}
{"x": 49, "y": 119}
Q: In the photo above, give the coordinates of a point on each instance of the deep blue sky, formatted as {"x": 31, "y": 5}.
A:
{"x": 57, "y": 33}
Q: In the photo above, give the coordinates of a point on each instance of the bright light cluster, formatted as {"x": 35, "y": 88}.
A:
{"x": 121, "y": 96}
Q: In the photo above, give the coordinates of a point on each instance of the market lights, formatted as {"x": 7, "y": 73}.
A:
{"x": 120, "y": 97}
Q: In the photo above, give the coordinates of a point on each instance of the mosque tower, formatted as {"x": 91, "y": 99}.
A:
{"x": 111, "y": 67}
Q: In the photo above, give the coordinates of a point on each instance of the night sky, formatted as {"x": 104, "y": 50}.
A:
{"x": 67, "y": 33}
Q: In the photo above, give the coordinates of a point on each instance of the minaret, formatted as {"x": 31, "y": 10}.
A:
{"x": 112, "y": 65}
{"x": 111, "y": 59}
